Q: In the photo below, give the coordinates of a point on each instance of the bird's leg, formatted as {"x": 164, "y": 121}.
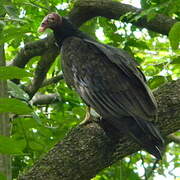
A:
{"x": 88, "y": 118}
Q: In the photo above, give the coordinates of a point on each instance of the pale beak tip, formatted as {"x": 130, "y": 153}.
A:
{"x": 41, "y": 29}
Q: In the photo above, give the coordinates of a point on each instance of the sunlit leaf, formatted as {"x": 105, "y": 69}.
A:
{"x": 36, "y": 146}
{"x": 14, "y": 106}
{"x": 17, "y": 92}
{"x": 8, "y": 34}
{"x": 137, "y": 43}
{"x": 11, "y": 10}
{"x": 13, "y": 72}
{"x": 2, "y": 176}
{"x": 156, "y": 81}
{"x": 9, "y": 146}
{"x": 2, "y": 24}
{"x": 174, "y": 36}
{"x": 176, "y": 60}
{"x": 176, "y": 68}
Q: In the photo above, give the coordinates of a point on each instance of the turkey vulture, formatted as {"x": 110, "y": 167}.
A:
{"x": 109, "y": 81}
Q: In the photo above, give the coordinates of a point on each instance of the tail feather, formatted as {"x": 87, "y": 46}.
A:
{"x": 147, "y": 135}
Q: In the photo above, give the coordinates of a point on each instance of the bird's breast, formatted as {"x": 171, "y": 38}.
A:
{"x": 81, "y": 61}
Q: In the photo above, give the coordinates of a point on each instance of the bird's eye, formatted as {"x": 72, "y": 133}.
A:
{"x": 51, "y": 19}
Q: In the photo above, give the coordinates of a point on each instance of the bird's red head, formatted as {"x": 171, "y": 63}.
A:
{"x": 51, "y": 21}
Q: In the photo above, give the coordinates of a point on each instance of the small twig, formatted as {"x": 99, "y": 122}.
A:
{"x": 145, "y": 173}
{"x": 36, "y": 5}
{"x": 149, "y": 173}
{"x": 53, "y": 80}
{"x": 22, "y": 116}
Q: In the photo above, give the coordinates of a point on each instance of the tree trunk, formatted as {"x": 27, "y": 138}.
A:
{"x": 5, "y": 160}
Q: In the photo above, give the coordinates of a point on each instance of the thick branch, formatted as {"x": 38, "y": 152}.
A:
{"x": 87, "y": 9}
{"x": 42, "y": 68}
{"x": 87, "y": 150}
{"x": 32, "y": 49}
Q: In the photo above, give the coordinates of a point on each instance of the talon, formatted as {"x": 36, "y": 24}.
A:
{"x": 87, "y": 118}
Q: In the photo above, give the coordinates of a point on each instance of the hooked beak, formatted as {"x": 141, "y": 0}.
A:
{"x": 42, "y": 28}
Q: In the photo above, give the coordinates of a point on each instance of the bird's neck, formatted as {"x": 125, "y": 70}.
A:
{"x": 65, "y": 30}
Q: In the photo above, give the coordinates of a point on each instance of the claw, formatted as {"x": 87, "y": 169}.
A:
{"x": 87, "y": 118}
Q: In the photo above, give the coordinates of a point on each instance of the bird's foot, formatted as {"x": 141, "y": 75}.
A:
{"x": 90, "y": 117}
{"x": 87, "y": 119}
{"x": 85, "y": 122}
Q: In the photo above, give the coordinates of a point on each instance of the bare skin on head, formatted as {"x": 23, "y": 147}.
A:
{"x": 50, "y": 21}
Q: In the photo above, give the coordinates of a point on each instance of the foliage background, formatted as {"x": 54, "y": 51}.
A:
{"x": 37, "y": 128}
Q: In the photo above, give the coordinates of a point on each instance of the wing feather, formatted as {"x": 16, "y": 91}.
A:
{"x": 108, "y": 80}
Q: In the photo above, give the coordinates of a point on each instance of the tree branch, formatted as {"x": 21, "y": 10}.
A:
{"x": 41, "y": 70}
{"x": 44, "y": 99}
{"x": 84, "y": 10}
{"x": 53, "y": 80}
{"x": 32, "y": 49}
{"x": 88, "y": 149}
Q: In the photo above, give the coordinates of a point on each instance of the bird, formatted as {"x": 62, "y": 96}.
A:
{"x": 109, "y": 81}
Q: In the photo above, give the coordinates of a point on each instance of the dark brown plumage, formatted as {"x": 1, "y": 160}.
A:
{"x": 108, "y": 80}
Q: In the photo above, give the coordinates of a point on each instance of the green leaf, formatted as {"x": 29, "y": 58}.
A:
{"x": 36, "y": 146}
{"x": 79, "y": 111}
{"x": 2, "y": 24}
{"x": 2, "y": 176}
{"x": 176, "y": 60}
{"x": 151, "y": 15}
{"x": 11, "y": 10}
{"x": 13, "y": 72}
{"x": 14, "y": 106}
{"x": 89, "y": 27}
{"x": 10, "y": 146}
{"x": 176, "y": 68}
{"x": 156, "y": 81}
{"x": 174, "y": 36}
{"x": 17, "y": 92}
{"x": 37, "y": 118}
{"x": 8, "y": 33}
{"x": 137, "y": 43}
{"x": 152, "y": 70}
{"x": 128, "y": 173}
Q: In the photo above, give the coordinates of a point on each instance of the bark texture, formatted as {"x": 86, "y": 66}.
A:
{"x": 44, "y": 99}
{"x": 87, "y": 9}
{"x": 88, "y": 149}
{"x": 5, "y": 160}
